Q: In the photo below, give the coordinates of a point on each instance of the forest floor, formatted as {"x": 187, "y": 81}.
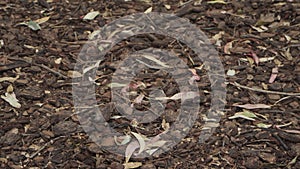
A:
{"x": 258, "y": 43}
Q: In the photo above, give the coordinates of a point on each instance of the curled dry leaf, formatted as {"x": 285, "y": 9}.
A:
{"x": 122, "y": 140}
{"x": 141, "y": 141}
{"x": 130, "y": 149}
{"x": 11, "y": 99}
{"x": 227, "y": 47}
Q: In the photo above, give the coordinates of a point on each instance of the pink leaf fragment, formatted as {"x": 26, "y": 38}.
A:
{"x": 273, "y": 75}
{"x": 255, "y": 57}
{"x": 195, "y": 76}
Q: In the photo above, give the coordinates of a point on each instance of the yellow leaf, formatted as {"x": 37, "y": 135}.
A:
{"x": 42, "y": 20}
{"x": 132, "y": 165}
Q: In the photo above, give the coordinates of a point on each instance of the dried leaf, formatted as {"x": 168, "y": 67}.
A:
{"x": 156, "y": 61}
{"x": 139, "y": 99}
{"x": 151, "y": 151}
{"x": 260, "y": 29}
{"x": 167, "y": 6}
{"x": 130, "y": 149}
{"x": 217, "y": 2}
{"x": 255, "y": 57}
{"x": 122, "y": 140}
{"x": 113, "y": 85}
{"x": 165, "y": 125}
{"x": 10, "y": 89}
{"x": 132, "y": 165}
{"x": 73, "y": 74}
{"x": 294, "y": 160}
{"x": 33, "y": 25}
{"x": 91, "y": 15}
{"x": 262, "y": 125}
{"x": 287, "y": 54}
{"x": 91, "y": 67}
{"x": 42, "y": 20}
{"x": 9, "y": 79}
{"x": 227, "y": 47}
{"x": 266, "y": 59}
{"x": 253, "y": 106}
{"x": 58, "y": 61}
{"x": 230, "y": 72}
{"x": 11, "y": 99}
{"x": 148, "y": 10}
{"x": 141, "y": 141}
{"x": 273, "y": 75}
{"x": 245, "y": 114}
{"x": 216, "y": 39}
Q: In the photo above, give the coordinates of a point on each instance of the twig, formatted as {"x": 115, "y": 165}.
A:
{"x": 280, "y": 141}
{"x": 40, "y": 65}
{"x": 51, "y": 70}
{"x": 44, "y": 146}
{"x": 264, "y": 91}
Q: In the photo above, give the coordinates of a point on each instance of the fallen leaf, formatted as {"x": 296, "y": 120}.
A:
{"x": 113, "y": 85}
{"x": 151, "y": 151}
{"x": 33, "y": 25}
{"x": 217, "y": 2}
{"x": 148, "y": 10}
{"x": 73, "y": 74}
{"x": 122, "y": 140}
{"x": 227, "y": 47}
{"x": 141, "y": 141}
{"x": 266, "y": 59}
{"x": 167, "y": 6}
{"x": 245, "y": 114}
{"x": 273, "y": 75}
{"x": 11, "y": 99}
{"x": 132, "y": 165}
{"x": 58, "y": 61}
{"x": 182, "y": 95}
{"x": 130, "y": 149}
{"x": 260, "y": 29}
{"x": 253, "y": 106}
{"x": 155, "y": 60}
{"x": 42, "y": 20}
{"x": 91, "y": 67}
{"x": 9, "y": 79}
{"x": 91, "y": 15}
{"x": 216, "y": 39}
{"x": 10, "y": 89}
{"x": 139, "y": 99}
{"x": 262, "y": 125}
{"x": 230, "y": 72}
{"x": 255, "y": 57}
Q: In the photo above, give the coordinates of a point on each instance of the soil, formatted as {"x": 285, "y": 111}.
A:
{"x": 258, "y": 43}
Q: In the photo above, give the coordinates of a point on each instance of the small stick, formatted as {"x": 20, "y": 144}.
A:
{"x": 264, "y": 91}
{"x": 44, "y": 146}
{"x": 51, "y": 70}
